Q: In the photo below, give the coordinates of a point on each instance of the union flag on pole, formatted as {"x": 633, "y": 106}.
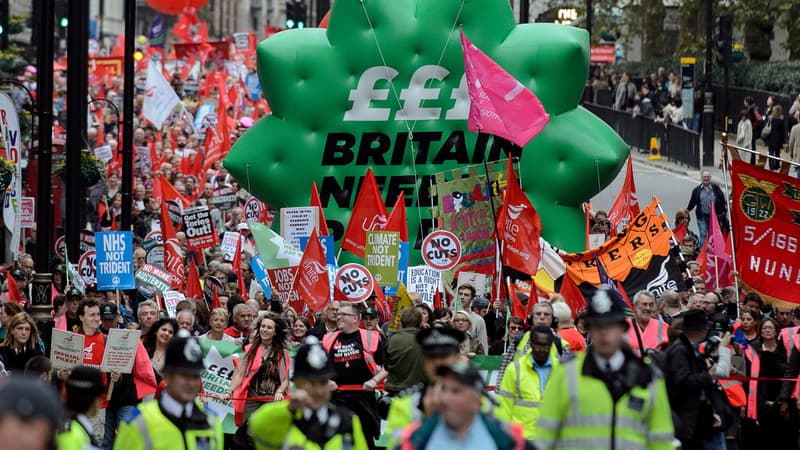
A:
{"x": 159, "y": 97}
{"x": 397, "y": 219}
{"x": 173, "y": 255}
{"x": 626, "y": 207}
{"x": 519, "y": 227}
{"x": 716, "y": 262}
{"x": 369, "y": 214}
{"x": 499, "y": 104}
{"x": 315, "y": 201}
{"x": 218, "y": 139}
{"x": 311, "y": 281}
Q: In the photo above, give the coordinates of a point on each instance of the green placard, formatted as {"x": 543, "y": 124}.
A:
{"x": 382, "y": 256}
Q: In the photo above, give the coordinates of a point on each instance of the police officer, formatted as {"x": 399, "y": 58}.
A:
{"x": 177, "y": 420}
{"x": 308, "y": 420}
{"x": 85, "y": 389}
{"x": 606, "y": 397}
{"x": 440, "y": 348}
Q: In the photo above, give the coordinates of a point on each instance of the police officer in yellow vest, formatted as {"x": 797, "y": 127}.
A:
{"x": 440, "y": 348}
{"x": 177, "y": 420}
{"x": 606, "y": 397}
{"x": 84, "y": 388}
{"x": 308, "y": 420}
{"x": 523, "y": 385}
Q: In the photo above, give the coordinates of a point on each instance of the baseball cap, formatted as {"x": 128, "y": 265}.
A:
{"x": 439, "y": 341}
{"x": 370, "y": 311}
{"x": 108, "y": 310}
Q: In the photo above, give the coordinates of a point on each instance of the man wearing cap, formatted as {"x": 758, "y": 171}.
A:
{"x": 177, "y": 420}
{"x": 440, "y": 347}
{"x": 109, "y": 316}
{"x": 459, "y": 422}
{"x": 84, "y": 388}
{"x": 691, "y": 383}
{"x": 308, "y": 420}
{"x": 606, "y": 397}
{"x": 370, "y": 318}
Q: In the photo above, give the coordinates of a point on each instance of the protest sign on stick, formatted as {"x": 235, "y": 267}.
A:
{"x": 66, "y": 349}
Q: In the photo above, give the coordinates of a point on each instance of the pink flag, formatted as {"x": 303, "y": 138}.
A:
{"x": 499, "y": 104}
{"x": 714, "y": 257}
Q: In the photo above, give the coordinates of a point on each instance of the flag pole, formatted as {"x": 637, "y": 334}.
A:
{"x": 673, "y": 239}
{"x": 494, "y": 220}
{"x": 730, "y": 219}
{"x": 624, "y": 295}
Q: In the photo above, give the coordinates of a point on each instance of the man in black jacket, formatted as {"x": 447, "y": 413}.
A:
{"x": 703, "y": 196}
{"x": 690, "y": 385}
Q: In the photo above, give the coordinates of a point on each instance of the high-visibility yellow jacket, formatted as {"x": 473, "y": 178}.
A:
{"x": 149, "y": 429}
{"x": 520, "y": 396}
{"x": 272, "y": 427}
{"x": 74, "y": 437}
{"x": 579, "y": 412}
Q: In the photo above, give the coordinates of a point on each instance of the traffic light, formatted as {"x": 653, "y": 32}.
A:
{"x": 725, "y": 41}
{"x": 296, "y": 14}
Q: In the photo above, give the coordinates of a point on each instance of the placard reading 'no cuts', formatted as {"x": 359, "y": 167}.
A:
{"x": 86, "y": 267}
{"x": 441, "y": 250}
{"x": 354, "y": 282}
{"x": 114, "y": 260}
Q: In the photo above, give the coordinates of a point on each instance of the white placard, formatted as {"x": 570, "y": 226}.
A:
{"x": 66, "y": 349}
{"x": 298, "y": 223}
{"x": 171, "y": 300}
{"x": 229, "y": 245}
{"x": 120, "y": 352}
{"x": 424, "y": 280}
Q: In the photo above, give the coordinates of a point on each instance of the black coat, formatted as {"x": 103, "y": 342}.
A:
{"x": 719, "y": 201}
{"x": 777, "y": 137}
{"x": 688, "y": 383}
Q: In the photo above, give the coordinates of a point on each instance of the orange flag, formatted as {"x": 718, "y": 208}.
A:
{"x": 311, "y": 281}
{"x": 369, "y": 214}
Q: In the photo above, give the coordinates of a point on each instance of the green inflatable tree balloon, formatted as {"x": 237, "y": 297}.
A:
{"x": 384, "y": 87}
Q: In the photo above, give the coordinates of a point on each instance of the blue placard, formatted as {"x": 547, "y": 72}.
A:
{"x": 260, "y": 272}
{"x": 402, "y": 269}
{"x": 327, "y": 247}
{"x": 114, "y": 260}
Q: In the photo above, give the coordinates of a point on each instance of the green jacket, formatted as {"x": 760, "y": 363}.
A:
{"x": 403, "y": 360}
{"x": 274, "y": 427}
{"x": 149, "y": 429}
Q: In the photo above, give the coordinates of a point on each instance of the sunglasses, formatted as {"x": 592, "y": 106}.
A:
{"x": 513, "y": 328}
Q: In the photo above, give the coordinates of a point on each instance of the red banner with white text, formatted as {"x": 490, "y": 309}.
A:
{"x": 766, "y": 216}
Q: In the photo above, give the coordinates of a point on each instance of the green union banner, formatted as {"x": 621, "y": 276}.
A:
{"x": 382, "y": 256}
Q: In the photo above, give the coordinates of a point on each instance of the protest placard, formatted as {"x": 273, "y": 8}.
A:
{"x": 220, "y": 360}
{"x": 482, "y": 283}
{"x": 120, "y": 350}
{"x": 424, "y": 280}
{"x": 104, "y": 152}
{"x": 228, "y": 246}
{"x": 114, "y": 261}
{"x": 171, "y": 300}
{"x": 402, "y": 269}
{"x": 151, "y": 280}
{"x": 355, "y": 282}
{"x": 298, "y": 223}
{"x": 27, "y": 212}
{"x": 87, "y": 268}
{"x": 199, "y": 227}
{"x": 260, "y": 273}
{"x": 224, "y": 198}
{"x": 66, "y": 349}
{"x": 381, "y": 256}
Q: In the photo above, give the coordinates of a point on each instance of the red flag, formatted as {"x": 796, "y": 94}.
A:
{"x": 397, "y": 219}
{"x": 437, "y": 300}
{"x": 626, "y": 207}
{"x": 13, "y": 294}
{"x": 237, "y": 267}
{"x": 532, "y": 299}
{"x": 369, "y": 214}
{"x": 716, "y": 263}
{"x": 380, "y": 302}
{"x": 219, "y": 141}
{"x": 183, "y": 28}
{"x": 169, "y": 193}
{"x": 193, "y": 287}
{"x": 680, "y": 232}
{"x": 315, "y": 201}
{"x": 311, "y": 281}
{"x": 520, "y": 227}
{"x": 572, "y": 295}
{"x": 517, "y": 310}
{"x": 119, "y": 49}
{"x": 215, "y": 303}
{"x": 173, "y": 255}
{"x": 624, "y": 296}
{"x": 499, "y": 104}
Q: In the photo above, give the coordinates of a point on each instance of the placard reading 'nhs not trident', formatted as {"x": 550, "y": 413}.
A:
{"x": 114, "y": 260}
